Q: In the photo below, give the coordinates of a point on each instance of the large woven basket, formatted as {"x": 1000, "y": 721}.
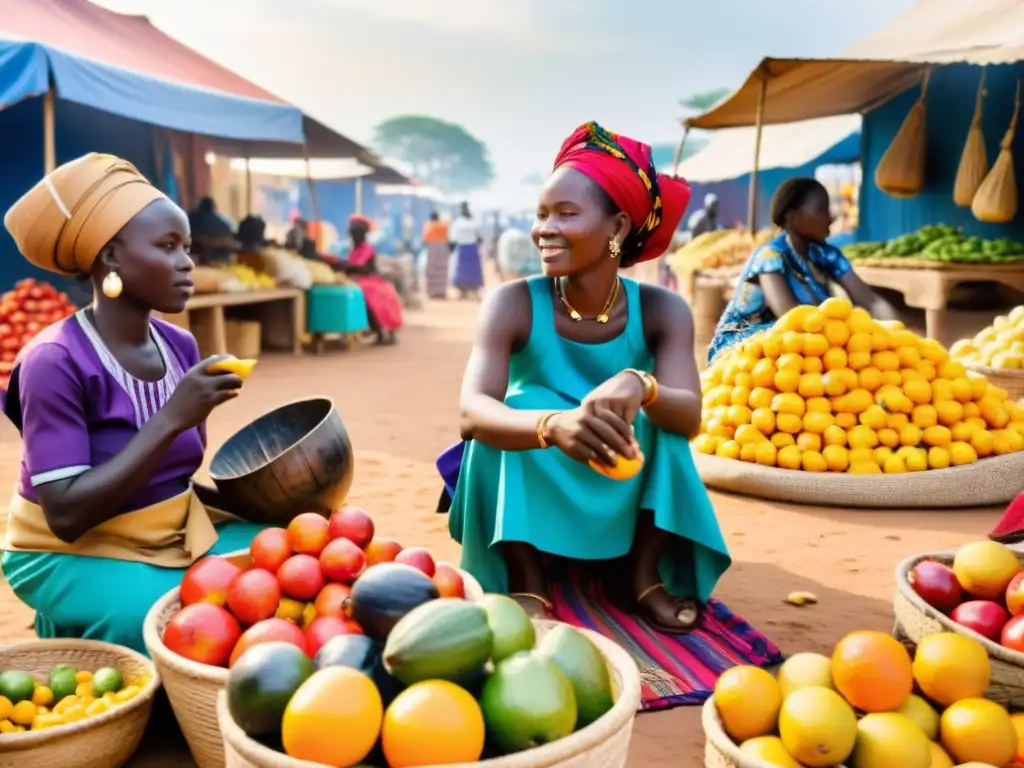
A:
{"x": 915, "y": 620}
{"x": 719, "y": 750}
{"x": 1010, "y": 380}
{"x": 192, "y": 687}
{"x": 602, "y": 744}
{"x": 992, "y": 481}
{"x": 103, "y": 741}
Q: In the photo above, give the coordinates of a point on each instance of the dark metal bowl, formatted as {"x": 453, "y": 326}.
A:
{"x": 297, "y": 458}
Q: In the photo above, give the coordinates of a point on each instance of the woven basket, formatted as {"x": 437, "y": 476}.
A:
{"x": 103, "y": 741}
{"x": 915, "y": 620}
{"x": 993, "y": 481}
{"x": 602, "y": 744}
{"x": 719, "y": 750}
{"x": 193, "y": 687}
{"x": 1010, "y": 380}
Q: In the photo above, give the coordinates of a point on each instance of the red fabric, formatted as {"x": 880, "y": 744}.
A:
{"x": 131, "y": 42}
{"x": 624, "y": 186}
{"x": 360, "y": 255}
{"x": 382, "y": 300}
{"x": 357, "y": 218}
{"x": 1010, "y": 527}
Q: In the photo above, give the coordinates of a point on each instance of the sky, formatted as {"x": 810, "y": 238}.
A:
{"x": 518, "y": 74}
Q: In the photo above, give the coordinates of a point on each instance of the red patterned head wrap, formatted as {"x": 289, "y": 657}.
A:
{"x": 357, "y": 218}
{"x": 623, "y": 168}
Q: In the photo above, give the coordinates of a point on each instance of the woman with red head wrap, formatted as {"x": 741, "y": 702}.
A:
{"x": 383, "y": 304}
{"x": 580, "y": 368}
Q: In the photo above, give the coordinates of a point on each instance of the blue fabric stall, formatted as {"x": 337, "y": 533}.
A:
{"x": 950, "y": 105}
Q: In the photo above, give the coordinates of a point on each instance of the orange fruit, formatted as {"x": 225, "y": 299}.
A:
{"x": 748, "y": 701}
{"x": 873, "y": 671}
{"x": 624, "y": 468}
{"x": 978, "y": 730}
{"x": 432, "y": 723}
{"x": 334, "y": 718}
{"x": 949, "y": 667}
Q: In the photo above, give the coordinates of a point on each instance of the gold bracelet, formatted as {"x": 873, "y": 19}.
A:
{"x": 542, "y": 429}
{"x": 650, "y": 385}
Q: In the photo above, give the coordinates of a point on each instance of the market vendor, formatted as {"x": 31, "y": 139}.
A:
{"x": 797, "y": 267}
{"x": 111, "y": 404}
{"x": 579, "y": 365}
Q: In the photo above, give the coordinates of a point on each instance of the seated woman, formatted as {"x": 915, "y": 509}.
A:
{"x": 797, "y": 267}
{"x": 576, "y": 366}
{"x": 383, "y": 304}
{"x": 111, "y": 404}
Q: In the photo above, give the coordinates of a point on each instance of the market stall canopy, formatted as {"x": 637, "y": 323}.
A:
{"x": 875, "y": 69}
{"x": 730, "y": 153}
{"x": 321, "y": 169}
{"x": 124, "y": 65}
{"x": 321, "y": 142}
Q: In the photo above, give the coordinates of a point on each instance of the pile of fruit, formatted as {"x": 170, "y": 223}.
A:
{"x": 717, "y": 249}
{"x": 309, "y": 582}
{"x": 67, "y": 696}
{"x": 940, "y": 242}
{"x": 983, "y": 591}
{"x": 24, "y": 312}
{"x": 249, "y": 278}
{"x": 829, "y": 389}
{"x": 871, "y": 706}
{"x": 1001, "y": 345}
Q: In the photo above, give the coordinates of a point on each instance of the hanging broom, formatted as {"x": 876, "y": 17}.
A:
{"x": 996, "y": 199}
{"x": 900, "y": 172}
{"x": 974, "y": 159}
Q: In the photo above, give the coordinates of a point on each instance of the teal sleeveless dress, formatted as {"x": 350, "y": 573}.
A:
{"x": 563, "y": 507}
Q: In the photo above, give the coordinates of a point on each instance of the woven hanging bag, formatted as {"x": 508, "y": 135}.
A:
{"x": 900, "y": 172}
{"x": 996, "y": 199}
{"x": 974, "y": 159}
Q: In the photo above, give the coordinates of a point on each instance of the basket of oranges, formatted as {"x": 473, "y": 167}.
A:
{"x": 831, "y": 406}
{"x": 51, "y": 715}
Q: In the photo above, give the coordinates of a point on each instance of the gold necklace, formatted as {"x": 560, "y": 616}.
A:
{"x": 576, "y": 316}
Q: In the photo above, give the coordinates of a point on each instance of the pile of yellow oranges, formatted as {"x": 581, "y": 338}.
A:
{"x": 830, "y": 389}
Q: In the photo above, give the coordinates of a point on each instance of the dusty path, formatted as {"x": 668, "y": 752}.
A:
{"x": 400, "y": 407}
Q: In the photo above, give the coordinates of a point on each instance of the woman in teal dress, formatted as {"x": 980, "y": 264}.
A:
{"x": 797, "y": 267}
{"x": 580, "y": 365}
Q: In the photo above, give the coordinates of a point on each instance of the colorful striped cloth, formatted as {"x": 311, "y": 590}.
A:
{"x": 675, "y": 670}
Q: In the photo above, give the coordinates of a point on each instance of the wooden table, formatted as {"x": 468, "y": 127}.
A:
{"x": 275, "y": 308}
{"x": 929, "y": 289}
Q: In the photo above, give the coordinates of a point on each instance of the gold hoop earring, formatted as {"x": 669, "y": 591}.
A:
{"x": 112, "y": 285}
{"x": 614, "y": 249}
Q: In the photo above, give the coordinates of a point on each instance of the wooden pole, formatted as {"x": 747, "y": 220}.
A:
{"x": 248, "y": 188}
{"x": 49, "y": 133}
{"x": 679, "y": 151}
{"x": 312, "y": 195}
{"x": 359, "y": 196}
{"x": 759, "y": 128}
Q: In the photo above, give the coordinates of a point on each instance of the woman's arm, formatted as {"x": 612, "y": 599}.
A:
{"x": 504, "y": 315}
{"x": 777, "y": 293}
{"x": 863, "y": 295}
{"x": 677, "y": 408}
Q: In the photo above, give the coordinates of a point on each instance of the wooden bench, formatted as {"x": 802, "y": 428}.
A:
{"x": 280, "y": 311}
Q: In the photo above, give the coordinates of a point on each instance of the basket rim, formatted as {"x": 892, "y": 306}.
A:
{"x": 163, "y": 655}
{"x": 1016, "y": 658}
{"x": 987, "y": 371}
{"x": 18, "y": 742}
{"x": 715, "y": 735}
{"x": 580, "y": 742}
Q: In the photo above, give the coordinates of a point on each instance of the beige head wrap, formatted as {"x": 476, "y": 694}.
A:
{"x": 65, "y": 220}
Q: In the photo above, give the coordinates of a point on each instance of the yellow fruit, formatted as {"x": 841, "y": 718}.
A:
{"x": 890, "y": 739}
{"x": 939, "y": 757}
{"x": 962, "y": 432}
{"x": 5, "y": 708}
{"x": 962, "y": 389}
{"x": 811, "y": 385}
{"x": 816, "y": 345}
{"x": 836, "y": 457}
{"x": 859, "y": 342}
{"x": 761, "y": 397}
{"x": 766, "y": 454}
{"x": 813, "y": 322}
{"x": 763, "y": 420}
{"x": 952, "y": 370}
{"x": 748, "y": 701}
{"x": 705, "y": 443}
{"x": 890, "y": 438}
{"x": 836, "y": 308}
{"x": 873, "y": 417}
{"x": 834, "y": 359}
{"x": 74, "y": 713}
{"x": 98, "y": 707}
{"x": 793, "y": 320}
{"x": 804, "y": 670}
{"x": 813, "y": 365}
{"x": 918, "y": 460}
{"x": 869, "y": 378}
{"x": 769, "y": 749}
{"x": 835, "y": 384}
{"x": 793, "y": 342}
{"x": 949, "y": 412}
{"x": 909, "y": 356}
{"x": 788, "y": 458}
{"x": 880, "y": 454}
{"x": 924, "y": 416}
{"x": 894, "y": 465}
{"x": 23, "y": 713}
{"x": 864, "y": 468}
{"x": 837, "y": 333}
{"x": 763, "y": 374}
{"x": 813, "y": 461}
{"x": 885, "y": 360}
{"x": 83, "y": 676}
{"x": 862, "y": 437}
{"x": 42, "y": 696}
{"x": 83, "y": 689}
{"x": 790, "y": 362}
{"x": 6, "y": 726}
{"x": 749, "y": 433}
{"x": 846, "y": 420}
{"x": 789, "y": 402}
{"x": 978, "y": 730}
{"x": 808, "y": 441}
{"x": 938, "y": 458}
{"x": 922, "y": 714}
{"x": 962, "y": 453}
{"x": 910, "y": 435}
{"x": 788, "y": 422}
{"x": 817, "y": 727}
{"x": 739, "y": 395}
{"x": 737, "y": 415}
{"x": 728, "y": 449}
{"x": 834, "y": 435}
{"x": 817, "y": 423}
{"x": 919, "y": 392}
{"x": 787, "y": 381}
{"x": 819, "y": 405}
{"x": 937, "y": 436}
{"x": 985, "y": 568}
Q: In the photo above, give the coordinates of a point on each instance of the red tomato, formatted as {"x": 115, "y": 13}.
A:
{"x": 1013, "y": 634}
{"x": 270, "y": 548}
{"x": 207, "y": 581}
{"x": 18, "y": 318}
{"x": 204, "y": 632}
{"x": 254, "y": 596}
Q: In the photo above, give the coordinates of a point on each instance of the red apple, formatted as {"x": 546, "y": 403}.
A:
{"x": 352, "y": 523}
{"x": 300, "y": 577}
{"x": 270, "y": 630}
{"x": 270, "y": 548}
{"x": 333, "y": 600}
{"x": 207, "y": 581}
{"x": 342, "y": 561}
{"x": 307, "y": 534}
{"x": 381, "y": 550}
{"x": 449, "y": 581}
{"x": 937, "y": 585}
{"x": 254, "y": 596}
{"x": 203, "y": 632}
{"x": 323, "y": 628}
{"x": 1012, "y": 635}
{"x": 419, "y": 558}
{"x": 983, "y": 616}
{"x": 1015, "y": 595}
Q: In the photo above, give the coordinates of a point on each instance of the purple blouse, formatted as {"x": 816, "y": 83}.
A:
{"x": 79, "y": 408}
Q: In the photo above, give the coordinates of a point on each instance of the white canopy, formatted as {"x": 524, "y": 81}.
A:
{"x": 320, "y": 169}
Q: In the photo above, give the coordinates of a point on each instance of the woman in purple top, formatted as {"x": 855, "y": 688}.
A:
{"x": 111, "y": 405}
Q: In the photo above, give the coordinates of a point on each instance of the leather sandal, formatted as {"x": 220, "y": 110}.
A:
{"x": 687, "y": 612}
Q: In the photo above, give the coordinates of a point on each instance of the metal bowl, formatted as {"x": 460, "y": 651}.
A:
{"x": 297, "y": 458}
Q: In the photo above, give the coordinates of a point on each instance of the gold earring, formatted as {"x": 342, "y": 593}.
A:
{"x": 112, "y": 285}
{"x": 614, "y": 249}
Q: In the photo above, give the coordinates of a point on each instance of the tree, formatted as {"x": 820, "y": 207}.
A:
{"x": 441, "y": 154}
{"x": 702, "y": 101}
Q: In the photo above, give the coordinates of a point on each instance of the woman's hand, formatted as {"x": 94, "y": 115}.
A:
{"x": 198, "y": 393}
{"x": 602, "y": 427}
